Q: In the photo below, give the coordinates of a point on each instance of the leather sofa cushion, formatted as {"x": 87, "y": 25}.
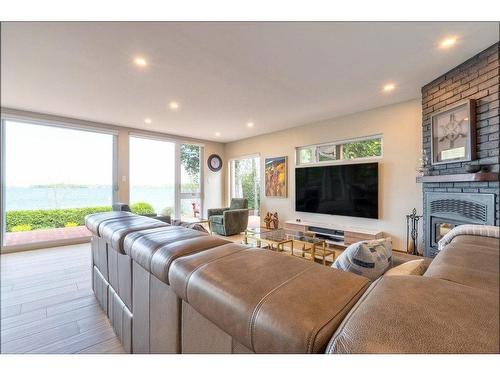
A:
{"x": 183, "y": 268}
{"x": 147, "y": 241}
{"x": 115, "y": 231}
{"x": 415, "y": 314}
{"x": 93, "y": 221}
{"x": 218, "y": 219}
{"x": 267, "y": 301}
{"x": 468, "y": 263}
{"x": 163, "y": 258}
{"x": 155, "y": 249}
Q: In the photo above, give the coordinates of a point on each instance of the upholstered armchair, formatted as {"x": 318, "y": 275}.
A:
{"x": 230, "y": 220}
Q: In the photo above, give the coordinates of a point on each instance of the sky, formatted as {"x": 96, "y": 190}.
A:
{"x": 152, "y": 162}
{"x": 40, "y": 155}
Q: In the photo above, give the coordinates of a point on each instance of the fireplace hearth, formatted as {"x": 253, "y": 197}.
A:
{"x": 444, "y": 211}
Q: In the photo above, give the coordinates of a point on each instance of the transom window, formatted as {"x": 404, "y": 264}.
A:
{"x": 352, "y": 149}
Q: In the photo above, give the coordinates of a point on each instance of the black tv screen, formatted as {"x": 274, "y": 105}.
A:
{"x": 347, "y": 190}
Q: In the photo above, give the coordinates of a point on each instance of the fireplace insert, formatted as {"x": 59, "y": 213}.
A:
{"x": 444, "y": 211}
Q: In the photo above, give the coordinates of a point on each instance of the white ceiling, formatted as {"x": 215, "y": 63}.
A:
{"x": 277, "y": 75}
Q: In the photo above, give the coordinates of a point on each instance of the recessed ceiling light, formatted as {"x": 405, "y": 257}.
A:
{"x": 448, "y": 42}
{"x": 389, "y": 87}
{"x": 173, "y": 105}
{"x": 148, "y": 121}
{"x": 217, "y": 134}
{"x": 250, "y": 124}
{"x": 140, "y": 61}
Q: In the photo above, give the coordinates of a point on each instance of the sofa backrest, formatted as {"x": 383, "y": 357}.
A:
{"x": 238, "y": 203}
{"x": 469, "y": 260}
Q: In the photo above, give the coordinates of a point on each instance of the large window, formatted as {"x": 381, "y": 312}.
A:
{"x": 159, "y": 185}
{"x": 152, "y": 176}
{"x": 360, "y": 148}
{"x": 52, "y": 181}
{"x": 245, "y": 181}
{"x": 54, "y": 174}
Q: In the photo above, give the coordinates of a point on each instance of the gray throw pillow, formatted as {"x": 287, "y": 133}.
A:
{"x": 185, "y": 224}
{"x": 366, "y": 258}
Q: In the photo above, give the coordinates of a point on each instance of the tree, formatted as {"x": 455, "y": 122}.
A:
{"x": 362, "y": 149}
{"x": 190, "y": 160}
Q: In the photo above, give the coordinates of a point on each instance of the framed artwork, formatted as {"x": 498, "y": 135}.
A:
{"x": 453, "y": 134}
{"x": 276, "y": 174}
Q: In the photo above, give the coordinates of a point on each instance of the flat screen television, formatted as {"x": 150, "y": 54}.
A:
{"x": 347, "y": 190}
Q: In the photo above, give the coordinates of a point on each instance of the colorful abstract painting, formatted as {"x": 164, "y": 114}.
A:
{"x": 276, "y": 177}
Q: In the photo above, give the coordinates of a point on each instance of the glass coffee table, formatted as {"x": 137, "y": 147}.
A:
{"x": 264, "y": 236}
{"x": 304, "y": 242}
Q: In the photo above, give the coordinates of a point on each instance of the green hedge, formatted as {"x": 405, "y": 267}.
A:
{"x": 142, "y": 208}
{"x": 41, "y": 219}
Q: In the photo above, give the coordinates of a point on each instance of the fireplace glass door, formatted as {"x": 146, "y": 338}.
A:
{"x": 440, "y": 227}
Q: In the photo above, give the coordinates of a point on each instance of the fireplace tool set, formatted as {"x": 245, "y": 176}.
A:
{"x": 412, "y": 232}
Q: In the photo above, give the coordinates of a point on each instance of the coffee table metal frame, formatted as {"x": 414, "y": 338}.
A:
{"x": 278, "y": 238}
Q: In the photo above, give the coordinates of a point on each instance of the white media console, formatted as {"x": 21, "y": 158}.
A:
{"x": 335, "y": 234}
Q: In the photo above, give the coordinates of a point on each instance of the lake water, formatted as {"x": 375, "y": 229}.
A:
{"x": 32, "y": 198}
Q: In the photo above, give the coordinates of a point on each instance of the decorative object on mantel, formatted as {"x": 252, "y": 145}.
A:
{"x": 470, "y": 168}
{"x": 461, "y": 177}
{"x": 423, "y": 164}
{"x": 412, "y": 232}
{"x": 453, "y": 133}
{"x": 276, "y": 177}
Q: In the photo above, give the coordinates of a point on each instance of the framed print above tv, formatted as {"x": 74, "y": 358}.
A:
{"x": 453, "y": 134}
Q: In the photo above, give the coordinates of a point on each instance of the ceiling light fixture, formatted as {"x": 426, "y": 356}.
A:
{"x": 250, "y": 124}
{"x": 140, "y": 61}
{"x": 448, "y": 42}
{"x": 173, "y": 105}
{"x": 389, "y": 87}
{"x": 148, "y": 121}
{"x": 217, "y": 134}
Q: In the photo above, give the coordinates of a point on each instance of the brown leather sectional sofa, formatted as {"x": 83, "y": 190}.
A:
{"x": 169, "y": 289}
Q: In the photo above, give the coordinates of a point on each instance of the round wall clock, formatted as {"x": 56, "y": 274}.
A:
{"x": 214, "y": 163}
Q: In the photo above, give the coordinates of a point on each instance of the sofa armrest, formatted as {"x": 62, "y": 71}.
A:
{"x": 216, "y": 211}
{"x": 413, "y": 267}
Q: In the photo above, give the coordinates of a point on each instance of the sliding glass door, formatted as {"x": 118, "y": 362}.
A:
{"x": 53, "y": 177}
{"x": 191, "y": 182}
{"x": 152, "y": 176}
{"x": 245, "y": 183}
{"x": 165, "y": 178}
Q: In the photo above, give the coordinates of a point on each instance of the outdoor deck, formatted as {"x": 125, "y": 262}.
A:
{"x": 43, "y": 235}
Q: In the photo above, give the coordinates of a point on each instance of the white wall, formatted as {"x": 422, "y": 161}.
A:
{"x": 400, "y": 125}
